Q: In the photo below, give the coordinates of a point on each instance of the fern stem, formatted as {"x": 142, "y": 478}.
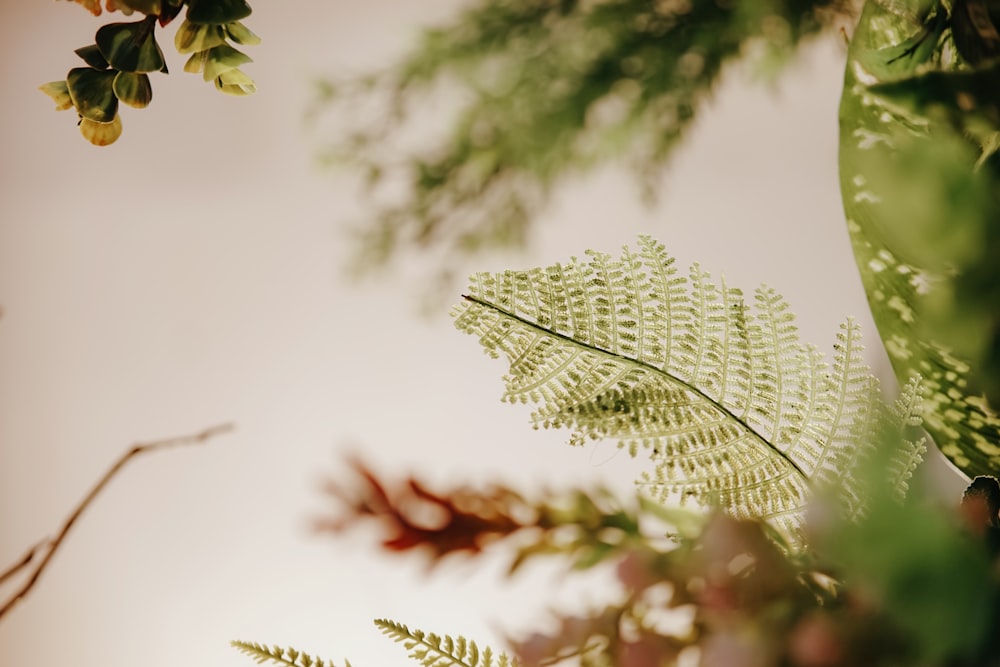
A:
{"x": 689, "y": 387}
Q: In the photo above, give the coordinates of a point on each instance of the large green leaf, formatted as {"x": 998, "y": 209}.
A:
{"x": 923, "y": 219}
{"x": 731, "y": 406}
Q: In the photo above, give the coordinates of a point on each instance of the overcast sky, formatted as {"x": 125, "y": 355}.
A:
{"x": 190, "y": 275}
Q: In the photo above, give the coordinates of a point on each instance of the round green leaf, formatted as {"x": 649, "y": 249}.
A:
{"x": 131, "y": 47}
{"x": 217, "y": 12}
{"x": 192, "y": 37}
{"x": 222, "y": 59}
{"x": 92, "y": 56}
{"x": 133, "y": 89}
{"x": 240, "y": 34}
{"x": 235, "y": 82}
{"x": 101, "y": 134}
{"x": 92, "y": 93}
{"x": 196, "y": 63}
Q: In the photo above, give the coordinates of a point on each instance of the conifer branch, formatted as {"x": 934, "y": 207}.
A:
{"x": 57, "y": 540}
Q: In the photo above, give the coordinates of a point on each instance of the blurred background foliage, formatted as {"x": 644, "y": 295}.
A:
{"x": 545, "y": 89}
{"x": 907, "y": 584}
{"x": 919, "y": 179}
{"x": 542, "y": 89}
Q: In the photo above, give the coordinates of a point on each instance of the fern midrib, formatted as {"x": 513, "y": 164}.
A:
{"x": 674, "y": 378}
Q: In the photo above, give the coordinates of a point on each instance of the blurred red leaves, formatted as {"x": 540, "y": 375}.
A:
{"x": 729, "y": 590}
{"x": 415, "y": 517}
{"x": 94, "y": 6}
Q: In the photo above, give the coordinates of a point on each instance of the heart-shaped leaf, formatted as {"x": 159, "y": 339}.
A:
{"x": 131, "y": 47}
{"x": 217, "y": 12}
{"x": 59, "y": 93}
{"x": 92, "y": 93}
{"x": 133, "y": 89}
{"x": 222, "y": 59}
{"x": 92, "y": 56}
{"x": 101, "y": 134}
{"x": 196, "y": 63}
{"x": 240, "y": 34}
{"x": 235, "y": 82}
{"x": 192, "y": 37}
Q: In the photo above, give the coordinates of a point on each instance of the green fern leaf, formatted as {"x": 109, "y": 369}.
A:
{"x": 291, "y": 657}
{"x": 432, "y": 650}
{"x": 733, "y": 409}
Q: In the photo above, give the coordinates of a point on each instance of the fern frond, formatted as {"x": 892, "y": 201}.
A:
{"x": 432, "y": 650}
{"x": 260, "y": 653}
{"x": 733, "y": 408}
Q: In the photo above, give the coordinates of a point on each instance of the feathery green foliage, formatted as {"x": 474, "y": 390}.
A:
{"x": 432, "y": 650}
{"x": 904, "y": 584}
{"x": 282, "y": 656}
{"x": 920, "y": 181}
{"x": 733, "y": 409}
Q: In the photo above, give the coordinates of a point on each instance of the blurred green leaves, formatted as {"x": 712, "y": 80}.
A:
{"x": 916, "y": 565}
{"x": 902, "y": 585}
{"x": 543, "y": 90}
{"x": 921, "y": 191}
{"x": 118, "y": 63}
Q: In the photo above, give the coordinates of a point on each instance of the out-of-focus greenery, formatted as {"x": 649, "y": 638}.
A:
{"x": 904, "y": 585}
{"x": 921, "y": 189}
{"x": 117, "y": 65}
{"x": 729, "y": 404}
{"x": 544, "y": 89}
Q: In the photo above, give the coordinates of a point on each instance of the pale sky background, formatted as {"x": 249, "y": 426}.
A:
{"x": 189, "y": 275}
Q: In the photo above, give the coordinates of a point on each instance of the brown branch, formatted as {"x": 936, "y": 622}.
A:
{"x": 54, "y": 544}
{"x": 21, "y": 564}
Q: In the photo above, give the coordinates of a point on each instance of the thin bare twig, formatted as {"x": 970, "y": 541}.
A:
{"x": 54, "y": 544}
{"x": 21, "y": 564}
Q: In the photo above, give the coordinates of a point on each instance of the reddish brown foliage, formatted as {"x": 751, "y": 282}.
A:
{"x": 461, "y": 521}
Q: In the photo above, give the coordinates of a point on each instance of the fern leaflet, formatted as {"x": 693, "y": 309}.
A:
{"x": 260, "y": 653}
{"x": 432, "y": 650}
{"x": 732, "y": 407}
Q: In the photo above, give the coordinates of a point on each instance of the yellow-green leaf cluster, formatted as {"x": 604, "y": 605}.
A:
{"x": 124, "y": 53}
{"x": 214, "y": 57}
